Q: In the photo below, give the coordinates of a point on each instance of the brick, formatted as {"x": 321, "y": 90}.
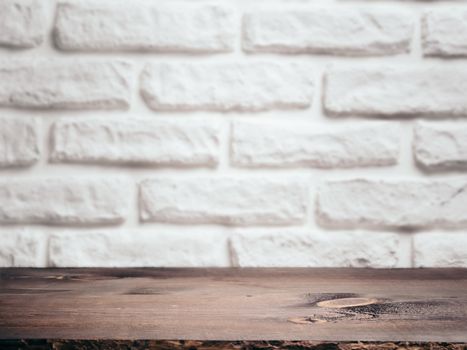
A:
{"x": 440, "y": 144}
{"x": 249, "y": 86}
{"x": 64, "y": 201}
{"x": 256, "y": 144}
{"x": 298, "y": 248}
{"x": 223, "y": 200}
{"x": 18, "y": 142}
{"x": 396, "y": 91}
{"x": 136, "y": 141}
{"x": 144, "y": 26}
{"x": 395, "y": 203}
{"x": 440, "y": 249}
{"x": 444, "y": 32}
{"x": 176, "y": 248}
{"x": 22, "y": 23}
{"x": 22, "y": 248}
{"x": 65, "y": 84}
{"x": 331, "y": 30}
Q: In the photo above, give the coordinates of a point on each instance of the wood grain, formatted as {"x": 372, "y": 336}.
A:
{"x": 60, "y": 344}
{"x": 235, "y": 304}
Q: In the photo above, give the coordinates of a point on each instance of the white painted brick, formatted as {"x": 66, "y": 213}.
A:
{"x": 22, "y": 23}
{"x": 22, "y": 248}
{"x": 201, "y": 183}
{"x": 65, "y": 84}
{"x": 224, "y": 200}
{"x": 440, "y": 145}
{"x": 444, "y": 32}
{"x": 144, "y": 26}
{"x": 440, "y": 249}
{"x": 178, "y": 248}
{"x": 249, "y": 86}
{"x": 256, "y": 144}
{"x": 64, "y": 200}
{"x": 393, "y": 203}
{"x": 18, "y": 142}
{"x": 136, "y": 141}
{"x": 396, "y": 91}
{"x": 298, "y": 248}
{"x": 331, "y": 30}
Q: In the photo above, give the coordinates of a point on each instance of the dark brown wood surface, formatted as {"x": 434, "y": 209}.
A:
{"x": 60, "y": 344}
{"x": 235, "y": 304}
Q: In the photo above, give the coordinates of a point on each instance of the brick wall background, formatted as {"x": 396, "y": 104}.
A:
{"x": 233, "y": 133}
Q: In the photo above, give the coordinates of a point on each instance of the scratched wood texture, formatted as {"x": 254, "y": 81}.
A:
{"x": 235, "y": 304}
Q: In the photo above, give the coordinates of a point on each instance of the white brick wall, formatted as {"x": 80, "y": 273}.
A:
{"x": 233, "y": 133}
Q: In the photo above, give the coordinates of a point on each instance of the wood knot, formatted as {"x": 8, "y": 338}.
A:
{"x": 346, "y": 302}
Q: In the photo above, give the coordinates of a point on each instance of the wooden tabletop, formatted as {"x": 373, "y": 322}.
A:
{"x": 235, "y": 304}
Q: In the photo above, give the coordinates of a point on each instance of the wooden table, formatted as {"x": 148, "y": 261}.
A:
{"x": 335, "y": 305}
